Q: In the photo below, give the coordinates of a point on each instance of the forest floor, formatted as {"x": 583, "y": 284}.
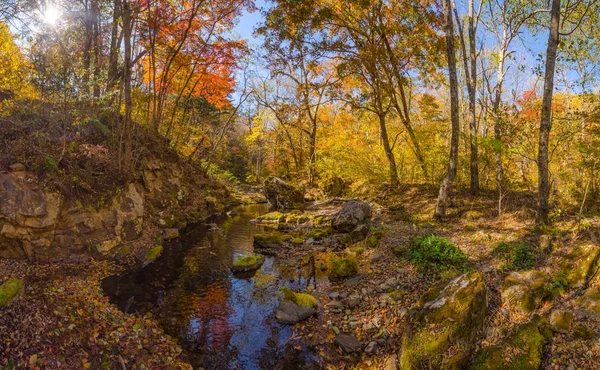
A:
{"x": 63, "y": 319}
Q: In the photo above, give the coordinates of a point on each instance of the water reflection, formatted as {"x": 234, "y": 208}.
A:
{"x": 222, "y": 322}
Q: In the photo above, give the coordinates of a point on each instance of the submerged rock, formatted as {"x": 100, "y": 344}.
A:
{"x": 526, "y": 290}
{"x": 282, "y": 195}
{"x": 520, "y": 350}
{"x": 248, "y": 263}
{"x": 352, "y": 214}
{"x": 441, "y": 332}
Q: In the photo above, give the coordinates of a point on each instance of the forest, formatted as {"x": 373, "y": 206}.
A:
{"x": 294, "y": 184}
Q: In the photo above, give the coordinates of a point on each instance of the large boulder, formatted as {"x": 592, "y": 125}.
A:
{"x": 591, "y": 300}
{"x": 526, "y": 290}
{"x": 295, "y": 307}
{"x": 520, "y": 350}
{"x": 580, "y": 264}
{"x": 441, "y": 333}
{"x": 282, "y": 195}
{"x": 352, "y": 214}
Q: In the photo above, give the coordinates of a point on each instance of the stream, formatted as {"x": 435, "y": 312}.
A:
{"x": 220, "y": 321}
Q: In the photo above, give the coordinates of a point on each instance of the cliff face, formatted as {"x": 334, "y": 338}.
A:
{"x": 41, "y": 225}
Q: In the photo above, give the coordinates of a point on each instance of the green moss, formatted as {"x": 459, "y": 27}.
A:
{"x": 582, "y": 331}
{"x": 318, "y": 220}
{"x": 319, "y": 233}
{"x": 248, "y": 261}
{"x": 10, "y": 290}
{"x": 297, "y": 240}
{"x": 273, "y": 216}
{"x": 296, "y": 218}
{"x": 346, "y": 239}
{"x": 520, "y": 350}
{"x": 527, "y": 290}
{"x": 357, "y": 249}
{"x": 515, "y": 256}
{"x": 154, "y": 252}
{"x": 302, "y": 299}
{"x": 433, "y": 253}
{"x": 343, "y": 268}
{"x": 125, "y": 250}
{"x": 580, "y": 264}
{"x": 271, "y": 238}
{"x": 374, "y": 238}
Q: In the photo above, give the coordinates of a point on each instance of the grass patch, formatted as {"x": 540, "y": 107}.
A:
{"x": 154, "y": 252}
{"x": 515, "y": 256}
{"x": 301, "y": 299}
{"x": 343, "y": 268}
{"x": 434, "y": 253}
{"x": 10, "y": 290}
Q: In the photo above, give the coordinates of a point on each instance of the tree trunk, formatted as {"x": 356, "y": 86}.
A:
{"x": 442, "y": 202}
{"x": 498, "y": 128}
{"x": 472, "y": 99}
{"x": 394, "y": 182}
{"x": 546, "y": 119}
{"x": 128, "y": 124}
{"x": 114, "y": 49}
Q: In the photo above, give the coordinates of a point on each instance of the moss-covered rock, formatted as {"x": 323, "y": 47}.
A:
{"x": 297, "y": 241}
{"x": 520, "y": 350}
{"x": 580, "y": 264}
{"x": 582, "y": 331}
{"x": 319, "y": 233}
{"x": 248, "y": 263}
{"x": 270, "y": 240}
{"x": 10, "y": 290}
{"x": 273, "y": 216}
{"x": 302, "y": 299}
{"x": 561, "y": 321}
{"x": 591, "y": 300}
{"x": 343, "y": 268}
{"x": 353, "y": 213}
{"x": 153, "y": 253}
{"x": 374, "y": 238}
{"x": 526, "y": 290}
{"x": 282, "y": 195}
{"x": 441, "y": 333}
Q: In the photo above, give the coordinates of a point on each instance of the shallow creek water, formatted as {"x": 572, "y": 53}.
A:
{"x": 220, "y": 321}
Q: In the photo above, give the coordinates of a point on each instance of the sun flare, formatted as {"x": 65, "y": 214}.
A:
{"x": 51, "y": 15}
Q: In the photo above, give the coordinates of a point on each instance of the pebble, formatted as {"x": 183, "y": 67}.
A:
{"x": 334, "y": 295}
{"x": 336, "y": 305}
{"x": 353, "y": 300}
{"x": 344, "y": 295}
{"x": 391, "y": 363}
{"x": 371, "y": 348}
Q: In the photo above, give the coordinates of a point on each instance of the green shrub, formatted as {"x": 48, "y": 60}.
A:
{"x": 515, "y": 256}
{"x": 435, "y": 253}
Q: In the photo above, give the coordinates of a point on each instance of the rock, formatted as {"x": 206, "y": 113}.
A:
{"x": 360, "y": 233}
{"x": 282, "y": 195}
{"x": 353, "y": 300}
{"x": 171, "y": 233}
{"x": 376, "y": 257}
{"x": 153, "y": 253}
{"x": 343, "y": 268}
{"x": 348, "y": 343}
{"x": 371, "y": 348}
{"x": 336, "y": 305}
{"x": 290, "y": 313}
{"x": 295, "y": 307}
{"x": 334, "y": 295}
{"x": 526, "y": 290}
{"x": 520, "y": 350}
{"x": 441, "y": 332}
{"x": 582, "y": 331}
{"x": 248, "y": 263}
{"x": 17, "y": 167}
{"x": 352, "y": 214}
{"x": 10, "y": 291}
{"x": 580, "y": 264}
{"x": 561, "y": 321}
{"x": 590, "y": 300}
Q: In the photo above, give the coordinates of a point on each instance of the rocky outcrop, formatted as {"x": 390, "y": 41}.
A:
{"x": 42, "y": 225}
{"x": 526, "y": 290}
{"x": 441, "y": 333}
{"x": 282, "y": 195}
{"x": 352, "y": 214}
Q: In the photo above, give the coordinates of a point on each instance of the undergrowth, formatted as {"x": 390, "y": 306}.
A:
{"x": 436, "y": 254}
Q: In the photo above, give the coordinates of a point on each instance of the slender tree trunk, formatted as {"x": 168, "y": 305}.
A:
{"x": 128, "y": 124}
{"x": 546, "y": 119}
{"x": 114, "y": 50}
{"x": 312, "y": 153}
{"x": 442, "y": 202}
{"x": 472, "y": 99}
{"x": 394, "y": 182}
{"x": 498, "y": 127}
{"x": 95, "y": 19}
